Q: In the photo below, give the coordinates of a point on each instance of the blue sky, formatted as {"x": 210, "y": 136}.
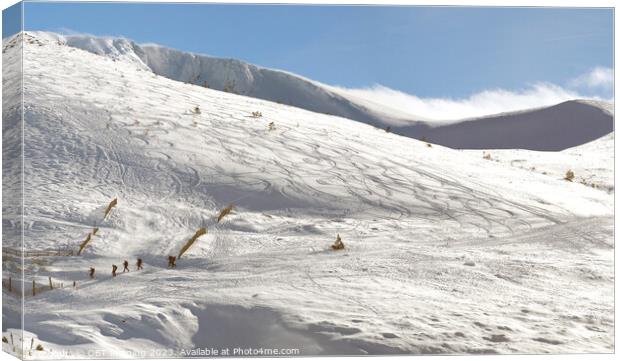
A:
{"x": 436, "y": 52}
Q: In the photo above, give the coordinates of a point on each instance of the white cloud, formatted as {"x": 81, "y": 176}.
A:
{"x": 597, "y": 78}
{"x": 404, "y": 107}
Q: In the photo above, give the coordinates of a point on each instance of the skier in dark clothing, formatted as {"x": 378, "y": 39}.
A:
{"x": 172, "y": 261}
{"x": 114, "y": 268}
{"x": 139, "y": 264}
{"x": 125, "y": 266}
{"x": 91, "y": 273}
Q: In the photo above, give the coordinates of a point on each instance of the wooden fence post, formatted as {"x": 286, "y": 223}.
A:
{"x": 51, "y": 286}
{"x": 10, "y": 288}
{"x": 33, "y": 288}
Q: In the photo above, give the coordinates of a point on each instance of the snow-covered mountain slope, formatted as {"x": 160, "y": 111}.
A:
{"x": 592, "y": 163}
{"x": 535, "y": 129}
{"x": 219, "y": 73}
{"x": 445, "y": 252}
{"x": 11, "y": 131}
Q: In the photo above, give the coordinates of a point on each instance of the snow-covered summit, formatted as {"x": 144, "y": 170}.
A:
{"x": 116, "y": 48}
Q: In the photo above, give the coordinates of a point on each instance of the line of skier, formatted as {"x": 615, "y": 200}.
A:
{"x": 338, "y": 245}
{"x": 91, "y": 272}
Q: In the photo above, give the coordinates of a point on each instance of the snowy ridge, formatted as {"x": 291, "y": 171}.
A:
{"x": 534, "y": 129}
{"x": 605, "y": 106}
{"x": 118, "y": 49}
{"x": 446, "y": 252}
{"x": 219, "y": 73}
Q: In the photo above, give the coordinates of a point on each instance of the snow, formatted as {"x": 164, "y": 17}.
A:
{"x": 445, "y": 251}
{"x": 591, "y": 163}
{"x": 581, "y": 120}
{"x": 220, "y": 73}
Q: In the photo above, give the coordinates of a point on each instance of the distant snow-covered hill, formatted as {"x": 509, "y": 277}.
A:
{"x": 552, "y": 128}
